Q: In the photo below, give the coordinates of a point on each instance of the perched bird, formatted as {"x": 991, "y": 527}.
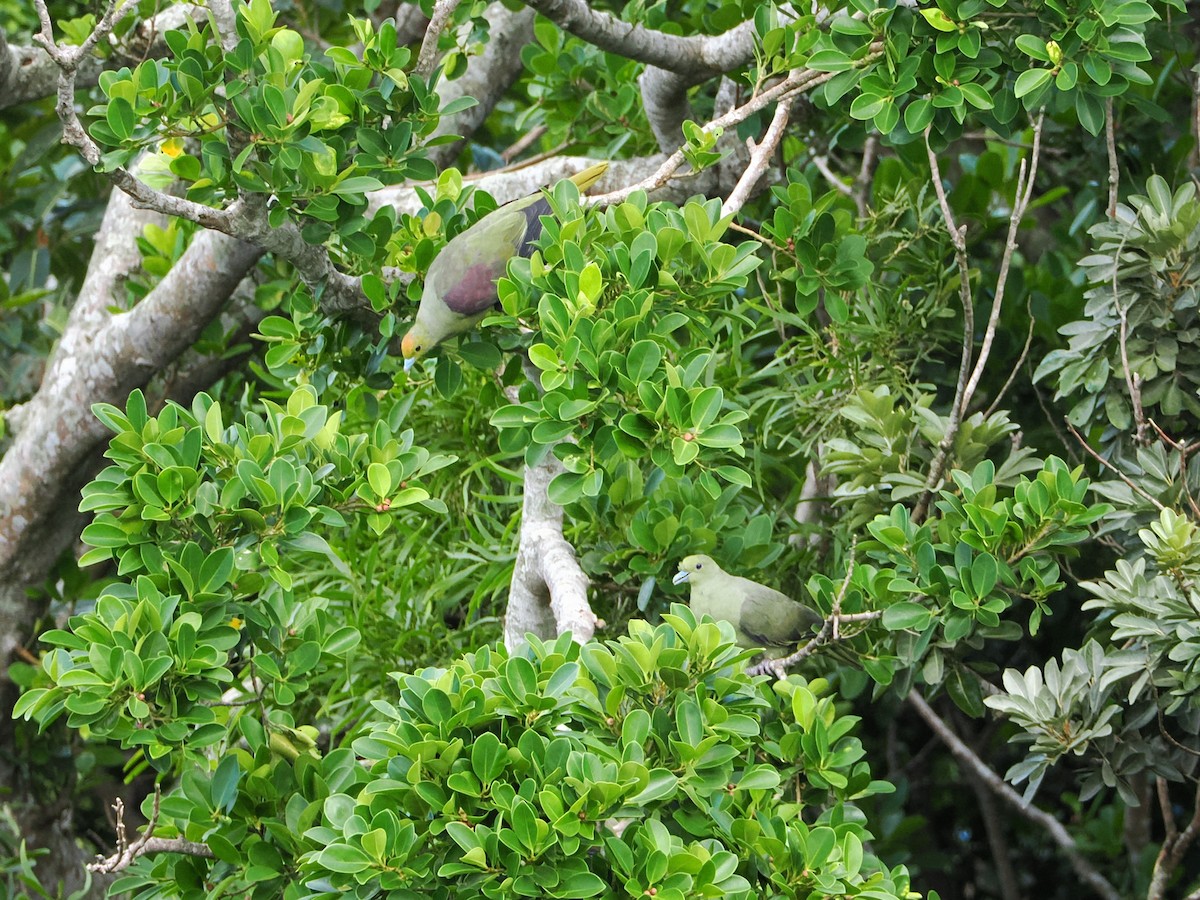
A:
{"x": 760, "y": 616}
{"x": 460, "y": 286}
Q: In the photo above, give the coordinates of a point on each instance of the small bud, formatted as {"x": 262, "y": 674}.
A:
{"x": 688, "y": 436}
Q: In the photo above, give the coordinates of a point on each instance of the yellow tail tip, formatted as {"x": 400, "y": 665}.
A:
{"x": 589, "y": 176}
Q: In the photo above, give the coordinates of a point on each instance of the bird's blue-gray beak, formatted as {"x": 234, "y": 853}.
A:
{"x": 680, "y": 578}
{"x": 409, "y": 363}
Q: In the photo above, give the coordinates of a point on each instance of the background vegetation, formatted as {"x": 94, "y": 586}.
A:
{"x": 893, "y": 307}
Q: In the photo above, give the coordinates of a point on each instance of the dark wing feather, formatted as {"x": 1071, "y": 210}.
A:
{"x": 772, "y": 618}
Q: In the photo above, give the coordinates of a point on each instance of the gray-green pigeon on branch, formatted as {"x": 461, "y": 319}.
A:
{"x": 761, "y": 617}
{"x": 460, "y": 287}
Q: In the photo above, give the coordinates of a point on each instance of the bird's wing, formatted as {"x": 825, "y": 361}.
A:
{"x": 773, "y": 618}
{"x": 475, "y": 259}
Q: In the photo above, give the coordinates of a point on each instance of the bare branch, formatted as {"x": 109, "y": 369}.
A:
{"x": 1133, "y": 485}
{"x": 1114, "y": 171}
{"x": 760, "y": 158}
{"x": 428, "y": 57}
{"x": 487, "y": 77}
{"x": 965, "y": 390}
{"x": 146, "y": 844}
{"x": 797, "y": 82}
{"x": 665, "y": 100}
{"x": 1024, "y": 194}
{"x": 831, "y": 177}
{"x": 1088, "y": 873}
{"x": 1175, "y": 843}
{"x": 866, "y": 172}
{"x": 958, "y": 239}
{"x": 697, "y": 56}
{"x": 830, "y": 631}
{"x": 1012, "y": 376}
{"x": 549, "y": 588}
{"x": 993, "y": 824}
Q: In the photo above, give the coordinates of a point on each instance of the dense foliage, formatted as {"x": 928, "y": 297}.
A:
{"x": 282, "y": 632}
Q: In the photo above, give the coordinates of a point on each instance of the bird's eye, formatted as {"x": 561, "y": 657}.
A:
{"x": 418, "y": 347}
{"x": 699, "y": 565}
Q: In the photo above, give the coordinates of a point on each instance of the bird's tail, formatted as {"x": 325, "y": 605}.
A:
{"x": 589, "y": 176}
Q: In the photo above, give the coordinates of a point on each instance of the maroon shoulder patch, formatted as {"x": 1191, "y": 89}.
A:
{"x": 474, "y": 291}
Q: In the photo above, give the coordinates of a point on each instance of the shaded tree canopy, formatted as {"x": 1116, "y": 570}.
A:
{"x": 892, "y": 307}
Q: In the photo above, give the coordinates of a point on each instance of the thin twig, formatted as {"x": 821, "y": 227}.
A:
{"x": 1012, "y": 376}
{"x": 1174, "y": 845}
{"x": 832, "y": 177}
{"x": 958, "y": 239}
{"x": 1108, "y": 465}
{"x": 1133, "y": 381}
{"x": 966, "y": 390}
{"x": 1114, "y": 172}
{"x": 523, "y": 143}
{"x": 760, "y": 158}
{"x": 866, "y": 171}
{"x": 1024, "y": 194}
{"x": 799, "y": 81}
{"x": 427, "y": 58}
{"x": 1057, "y": 833}
{"x": 147, "y": 843}
{"x": 829, "y": 633}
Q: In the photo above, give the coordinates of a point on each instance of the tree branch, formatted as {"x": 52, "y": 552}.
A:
{"x": 428, "y": 57}
{"x": 1110, "y": 144}
{"x": 29, "y": 73}
{"x": 665, "y": 100}
{"x": 760, "y": 159}
{"x": 1175, "y": 843}
{"x": 967, "y": 384}
{"x": 102, "y": 357}
{"x": 245, "y": 219}
{"x": 830, "y": 631}
{"x": 487, "y": 77}
{"x": 146, "y": 844}
{"x": 549, "y": 589}
{"x": 1053, "y": 828}
{"x": 698, "y": 57}
{"x": 797, "y": 82}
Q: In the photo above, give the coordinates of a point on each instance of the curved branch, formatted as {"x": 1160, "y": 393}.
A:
{"x": 979, "y": 769}
{"x": 665, "y": 100}
{"x": 549, "y": 589}
{"x": 799, "y": 81}
{"x": 696, "y": 56}
{"x": 28, "y": 73}
{"x": 102, "y": 357}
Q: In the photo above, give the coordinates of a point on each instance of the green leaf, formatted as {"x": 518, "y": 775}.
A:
{"x": 643, "y": 360}
{"x": 938, "y": 19}
{"x": 1032, "y": 79}
{"x": 905, "y": 616}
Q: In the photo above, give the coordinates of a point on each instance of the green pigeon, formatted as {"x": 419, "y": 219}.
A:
{"x": 760, "y": 616}
{"x": 460, "y": 286}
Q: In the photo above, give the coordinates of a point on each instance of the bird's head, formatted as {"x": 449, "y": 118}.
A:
{"x": 695, "y": 569}
{"x": 415, "y": 345}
